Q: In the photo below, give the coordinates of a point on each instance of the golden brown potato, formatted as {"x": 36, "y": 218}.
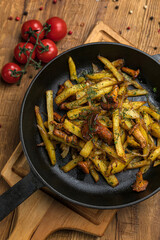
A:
{"x": 106, "y": 132}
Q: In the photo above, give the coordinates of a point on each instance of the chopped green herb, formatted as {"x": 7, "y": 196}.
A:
{"x": 90, "y": 135}
{"x": 154, "y": 90}
{"x": 90, "y": 128}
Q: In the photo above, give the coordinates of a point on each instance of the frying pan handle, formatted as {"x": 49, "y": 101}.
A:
{"x": 18, "y": 193}
{"x": 156, "y": 57}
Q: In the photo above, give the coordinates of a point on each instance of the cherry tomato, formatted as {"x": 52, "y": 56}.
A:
{"x": 58, "y": 29}
{"x": 23, "y": 58}
{"x": 7, "y": 74}
{"x": 34, "y": 25}
{"x": 46, "y": 56}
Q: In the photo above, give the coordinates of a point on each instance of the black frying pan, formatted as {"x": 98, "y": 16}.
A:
{"x": 75, "y": 186}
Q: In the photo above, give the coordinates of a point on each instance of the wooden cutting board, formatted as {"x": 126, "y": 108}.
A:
{"x": 40, "y": 215}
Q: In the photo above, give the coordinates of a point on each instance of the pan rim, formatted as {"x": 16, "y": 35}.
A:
{"x": 33, "y": 168}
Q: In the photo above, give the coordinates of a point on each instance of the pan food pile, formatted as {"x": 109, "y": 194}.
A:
{"x": 105, "y": 130}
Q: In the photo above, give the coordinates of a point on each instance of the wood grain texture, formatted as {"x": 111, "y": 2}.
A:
{"x": 18, "y": 164}
{"x": 47, "y": 215}
{"x": 103, "y": 33}
{"x": 143, "y": 34}
{"x": 27, "y": 217}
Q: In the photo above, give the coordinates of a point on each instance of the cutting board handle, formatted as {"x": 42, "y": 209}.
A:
{"x": 18, "y": 193}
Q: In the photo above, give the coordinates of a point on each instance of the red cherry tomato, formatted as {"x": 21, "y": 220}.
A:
{"x": 46, "y": 56}
{"x": 7, "y": 73}
{"x": 23, "y": 58}
{"x": 34, "y": 25}
{"x": 58, "y": 29}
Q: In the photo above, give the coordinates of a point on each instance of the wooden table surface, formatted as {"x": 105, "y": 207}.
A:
{"x": 133, "y": 223}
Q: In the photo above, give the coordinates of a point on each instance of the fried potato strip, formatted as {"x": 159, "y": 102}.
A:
{"x": 116, "y": 132}
{"x": 48, "y": 144}
{"x": 49, "y": 103}
{"x": 110, "y": 66}
{"x": 105, "y": 130}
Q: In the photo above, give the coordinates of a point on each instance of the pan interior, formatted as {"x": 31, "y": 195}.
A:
{"x": 76, "y": 186}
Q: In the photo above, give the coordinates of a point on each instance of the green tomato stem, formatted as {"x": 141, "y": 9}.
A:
{"x": 30, "y": 55}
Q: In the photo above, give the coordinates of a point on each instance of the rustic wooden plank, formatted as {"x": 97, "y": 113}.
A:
{"x": 27, "y": 218}
{"x": 102, "y": 32}
{"x": 46, "y": 215}
{"x": 143, "y": 34}
{"x": 64, "y": 235}
{"x": 111, "y": 231}
{"x": 59, "y": 217}
{"x": 121, "y": 19}
{"x": 140, "y": 221}
{"x": 19, "y": 165}
{"x": 5, "y": 226}
{"x": 149, "y": 37}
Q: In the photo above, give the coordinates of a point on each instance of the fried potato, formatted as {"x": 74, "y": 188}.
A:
{"x": 48, "y": 144}
{"x": 145, "y": 168}
{"x": 116, "y": 133}
{"x": 116, "y": 166}
{"x": 138, "y": 164}
{"x": 94, "y": 173}
{"x": 131, "y": 142}
{"x": 71, "y": 164}
{"x": 122, "y": 89}
{"x": 110, "y": 66}
{"x": 147, "y": 119}
{"x": 134, "y": 130}
{"x": 89, "y": 96}
{"x": 155, "y": 129}
{"x": 72, "y": 128}
{"x": 68, "y": 84}
{"x": 75, "y": 113}
{"x": 72, "y": 69}
{"x": 96, "y": 87}
{"x": 105, "y": 121}
{"x": 151, "y": 112}
{"x": 49, "y": 103}
{"x": 130, "y": 81}
{"x": 102, "y": 167}
{"x": 118, "y": 63}
{"x": 137, "y": 92}
{"x": 123, "y": 135}
{"x": 154, "y": 154}
{"x": 129, "y": 113}
{"x": 156, "y": 163}
{"x": 136, "y": 105}
{"x": 86, "y": 150}
{"x": 69, "y": 92}
{"x": 95, "y": 103}
{"x": 99, "y": 76}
